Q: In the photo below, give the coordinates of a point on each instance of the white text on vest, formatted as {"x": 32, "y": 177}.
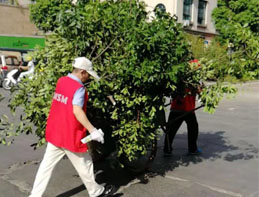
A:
{"x": 60, "y": 98}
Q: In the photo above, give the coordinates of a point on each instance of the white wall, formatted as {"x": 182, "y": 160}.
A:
{"x": 24, "y": 3}
{"x": 176, "y": 7}
{"x": 16, "y": 21}
{"x": 169, "y": 4}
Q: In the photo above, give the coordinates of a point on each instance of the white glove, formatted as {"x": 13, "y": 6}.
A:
{"x": 97, "y": 135}
{"x": 101, "y": 132}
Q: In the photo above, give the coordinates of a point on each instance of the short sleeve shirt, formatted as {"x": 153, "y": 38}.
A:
{"x": 30, "y": 67}
{"x": 79, "y": 96}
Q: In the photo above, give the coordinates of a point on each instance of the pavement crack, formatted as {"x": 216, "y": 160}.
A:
{"x": 22, "y": 186}
{"x": 18, "y": 166}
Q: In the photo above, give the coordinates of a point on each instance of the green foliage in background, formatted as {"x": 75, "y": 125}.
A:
{"x": 217, "y": 55}
{"x": 231, "y": 12}
{"x": 140, "y": 61}
{"x": 237, "y": 22}
{"x": 214, "y": 52}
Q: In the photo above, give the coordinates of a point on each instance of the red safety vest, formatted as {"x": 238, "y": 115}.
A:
{"x": 186, "y": 103}
{"x": 63, "y": 129}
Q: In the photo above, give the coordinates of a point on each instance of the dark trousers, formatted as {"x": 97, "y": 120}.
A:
{"x": 174, "y": 125}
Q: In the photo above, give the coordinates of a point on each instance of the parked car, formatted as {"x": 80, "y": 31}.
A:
{"x": 10, "y": 61}
{"x": 3, "y": 74}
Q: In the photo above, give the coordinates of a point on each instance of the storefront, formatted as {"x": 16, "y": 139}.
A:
{"x": 20, "y": 43}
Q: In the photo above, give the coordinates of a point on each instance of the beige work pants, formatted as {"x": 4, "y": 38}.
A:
{"x": 82, "y": 163}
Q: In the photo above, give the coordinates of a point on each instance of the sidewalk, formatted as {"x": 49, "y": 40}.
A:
{"x": 228, "y": 166}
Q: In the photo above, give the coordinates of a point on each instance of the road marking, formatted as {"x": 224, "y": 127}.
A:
{"x": 231, "y": 109}
{"x": 176, "y": 178}
{"x": 135, "y": 181}
{"x": 234, "y": 194}
{"x": 221, "y": 190}
{"x": 254, "y": 194}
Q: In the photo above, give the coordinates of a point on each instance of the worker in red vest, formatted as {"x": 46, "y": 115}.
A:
{"x": 67, "y": 125}
{"x": 182, "y": 109}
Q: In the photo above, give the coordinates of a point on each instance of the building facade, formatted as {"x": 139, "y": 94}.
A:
{"x": 195, "y": 15}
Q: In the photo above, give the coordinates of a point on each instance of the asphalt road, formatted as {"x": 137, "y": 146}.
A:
{"x": 229, "y": 140}
{"x": 228, "y": 166}
{"x": 20, "y": 151}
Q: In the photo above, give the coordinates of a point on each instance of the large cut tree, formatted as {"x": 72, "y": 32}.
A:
{"x": 141, "y": 60}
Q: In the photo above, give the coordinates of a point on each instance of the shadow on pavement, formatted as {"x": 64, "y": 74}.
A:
{"x": 72, "y": 191}
{"x": 78, "y": 189}
{"x": 214, "y": 146}
{"x": 105, "y": 174}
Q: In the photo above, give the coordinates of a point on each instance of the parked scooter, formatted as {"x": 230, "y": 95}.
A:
{"x": 11, "y": 79}
{"x": 14, "y": 76}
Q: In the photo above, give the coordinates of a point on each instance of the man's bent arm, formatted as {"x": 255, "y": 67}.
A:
{"x": 82, "y": 118}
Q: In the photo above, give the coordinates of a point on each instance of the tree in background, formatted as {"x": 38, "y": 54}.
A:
{"x": 237, "y": 22}
{"x": 140, "y": 62}
{"x": 216, "y": 53}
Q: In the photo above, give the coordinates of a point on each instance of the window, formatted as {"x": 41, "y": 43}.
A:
{"x": 187, "y": 10}
{"x": 202, "y": 12}
{"x": 4, "y": 1}
{"x": 11, "y": 61}
{"x": 161, "y": 7}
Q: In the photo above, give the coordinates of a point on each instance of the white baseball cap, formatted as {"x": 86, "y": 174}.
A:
{"x": 85, "y": 64}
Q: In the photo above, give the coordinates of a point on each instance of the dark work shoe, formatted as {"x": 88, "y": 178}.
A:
{"x": 109, "y": 190}
{"x": 197, "y": 152}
